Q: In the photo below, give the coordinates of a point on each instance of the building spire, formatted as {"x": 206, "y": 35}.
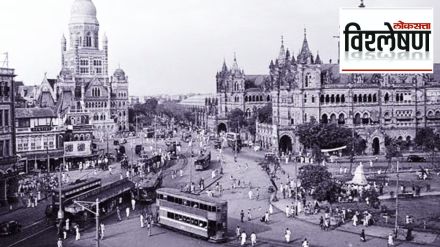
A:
{"x": 305, "y": 33}
{"x": 362, "y": 5}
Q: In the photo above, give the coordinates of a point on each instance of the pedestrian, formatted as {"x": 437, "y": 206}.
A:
{"x": 321, "y": 222}
{"x": 270, "y": 209}
{"x": 242, "y": 215}
{"x": 243, "y": 238}
{"x": 133, "y": 204}
{"x": 287, "y": 234}
{"x": 237, "y": 232}
{"x": 141, "y": 218}
{"x": 60, "y": 242}
{"x": 305, "y": 243}
{"x": 78, "y": 235}
{"x": 127, "y": 212}
{"x": 64, "y": 234}
{"x": 250, "y": 194}
{"x": 102, "y": 231}
{"x": 363, "y": 235}
{"x": 149, "y": 224}
{"x": 287, "y": 211}
{"x": 181, "y": 172}
{"x": 253, "y": 239}
{"x": 249, "y": 214}
{"x": 67, "y": 224}
{"x": 266, "y": 217}
{"x": 390, "y": 240}
{"x": 257, "y": 197}
{"x": 118, "y": 212}
{"x": 355, "y": 220}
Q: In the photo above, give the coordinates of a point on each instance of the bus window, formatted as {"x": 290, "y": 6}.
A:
{"x": 203, "y": 206}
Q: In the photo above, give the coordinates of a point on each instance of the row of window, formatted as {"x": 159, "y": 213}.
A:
{"x": 364, "y": 98}
{"x": 188, "y": 220}
{"x": 35, "y": 143}
{"x": 255, "y": 98}
{"x": 187, "y": 203}
{"x": 98, "y": 104}
{"x": 4, "y": 118}
{"x": 332, "y": 98}
{"x": 99, "y": 116}
{"x": 119, "y": 104}
{"x": 96, "y": 92}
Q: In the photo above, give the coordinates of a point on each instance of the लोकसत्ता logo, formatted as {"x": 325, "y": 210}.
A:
{"x": 386, "y": 40}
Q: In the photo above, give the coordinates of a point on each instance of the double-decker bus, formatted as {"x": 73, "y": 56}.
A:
{"x": 202, "y": 161}
{"x": 234, "y": 141}
{"x": 71, "y": 192}
{"x": 197, "y": 215}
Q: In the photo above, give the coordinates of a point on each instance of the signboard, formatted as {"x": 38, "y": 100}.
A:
{"x": 386, "y": 40}
{"x": 77, "y": 148}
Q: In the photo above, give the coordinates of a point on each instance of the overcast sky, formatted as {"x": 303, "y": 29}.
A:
{"x": 176, "y": 46}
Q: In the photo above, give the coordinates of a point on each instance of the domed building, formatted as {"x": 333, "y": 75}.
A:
{"x": 84, "y": 87}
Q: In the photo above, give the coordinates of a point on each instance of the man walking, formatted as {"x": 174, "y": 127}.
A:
{"x": 118, "y": 212}
{"x": 253, "y": 239}
{"x": 141, "y": 218}
{"x": 249, "y": 214}
{"x": 133, "y": 204}
{"x": 127, "y": 212}
{"x": 242, "y": 216}
{"x": 237, "y": 232}
{"x": 243, "y": 238}
{"x": 102, "y": 231}
{"x": 287, "y": 235}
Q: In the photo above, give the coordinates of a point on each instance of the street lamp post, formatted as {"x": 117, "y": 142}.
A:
{"x": 396, "y": 224}
{"x": 83, "y": 204}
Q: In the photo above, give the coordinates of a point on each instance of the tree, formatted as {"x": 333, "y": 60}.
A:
{"x": 319, "y": 180}
{"x": 265, "y": 114}
{"x": 429, "y": 140}
{"x": 319, "y": 136}
{"x": 236, "y": 119}
{"x": 393, "y": 149}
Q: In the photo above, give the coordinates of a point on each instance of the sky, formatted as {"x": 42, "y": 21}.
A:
{"x": 177, "y": 46}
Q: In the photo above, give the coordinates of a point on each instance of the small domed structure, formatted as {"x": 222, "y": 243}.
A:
{"x": 83, "y": 11}
{"x": 119, "y": 74}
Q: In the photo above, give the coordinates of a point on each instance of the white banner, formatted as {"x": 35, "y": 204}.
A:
{"x": 77, "y": 148}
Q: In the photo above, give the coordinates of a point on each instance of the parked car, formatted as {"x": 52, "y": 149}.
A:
{"x": 415, "y": 158}
{"x": 9, "y": 228}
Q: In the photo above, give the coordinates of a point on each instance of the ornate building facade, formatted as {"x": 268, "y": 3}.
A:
{"x": 375, "y": 105}
{"x": 236, "y": 90}
{"x": 84, "y": 85}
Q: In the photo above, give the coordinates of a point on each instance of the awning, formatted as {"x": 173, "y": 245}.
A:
{"x": 104, "y": 195}
{"x": 333, "y": 149}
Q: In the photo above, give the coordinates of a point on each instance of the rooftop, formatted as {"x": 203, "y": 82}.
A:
{"x": 34, "y": 113}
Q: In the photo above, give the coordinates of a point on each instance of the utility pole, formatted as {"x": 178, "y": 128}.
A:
{"x": 84, "y": 204}
{"x": 396, "y": 224}
{"x": 60, "y": 208}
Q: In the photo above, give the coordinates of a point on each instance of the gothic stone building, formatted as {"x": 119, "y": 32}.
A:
{"x": 374, "y": 105}
{"x": 235, "y": 90}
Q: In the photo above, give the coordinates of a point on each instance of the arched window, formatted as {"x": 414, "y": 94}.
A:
{"x": 333, "y": 118}
{"x": 324, "y": 119}
{"x": 365, "y": 119}
{"x": 307, "y": 80}
{"x": 357, "y": 119}
{"x": 401, "y": 97}
{"x": 327, "y": 98}
{"x": 337, "y": 98}
{"x": 386, "y": 98}
{"x": 355, "y": 98}
{"x": 88, "y": 40}
{"x": 261, "y": 97}
{"x": 360, "y": 97}
{"x": 321, "y": 99}
{"x": 397, "y": 97}
{"x": 365, "y": 98}
{"x": 268, "y": 97}
{"x": 370, "y": 98}
{"x": 342, "y": 98}
{"x": 341, "y": 119}
{"x": 245, "y": 98}
{"x": 332, "y": 98}
{"x": 374, "y": 98}
{"x": 253, "y": 98}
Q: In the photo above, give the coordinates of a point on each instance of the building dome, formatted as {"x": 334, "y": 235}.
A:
{"x": 83, "y": 11}
{"x": 119, "y": 74}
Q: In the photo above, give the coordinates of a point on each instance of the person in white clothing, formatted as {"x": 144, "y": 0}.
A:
{"x": 253, "y": 239}
{"x": 102, "y": 230}
{"x": 287, "y": 211}
{"x": 390, "y": 240}
{"x": 270, "y": 209}
{"x": 67, "y": 224}
{"x": 127, "y": 212}
{"x": 250, "y": 193}
{"x": 133, "y": 204}
{"x": 305, "y": 243}
{"x": 243, "y": 238}
{"x": 141, "y": 218}
{"x": 78, "y": 235}
{"x": 60, "y": 243}
{"x": 287, "y": 235}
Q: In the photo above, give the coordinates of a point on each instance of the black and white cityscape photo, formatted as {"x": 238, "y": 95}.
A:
{"x": 194, "y": 123}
